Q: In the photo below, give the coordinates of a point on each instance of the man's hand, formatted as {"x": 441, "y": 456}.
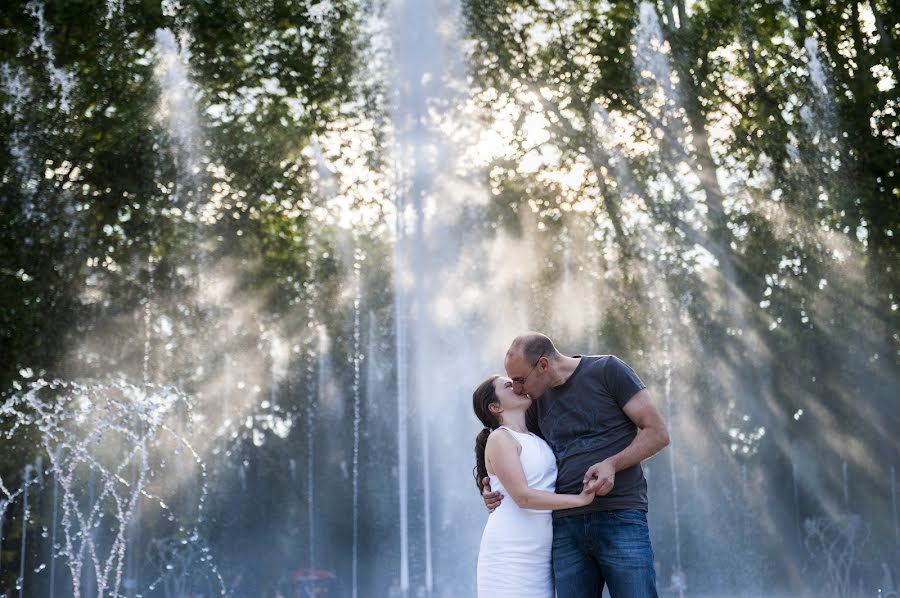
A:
{"x": 491, "y": 499}
{"x": 652, "y": 437}
{"x": 600, "y": 478}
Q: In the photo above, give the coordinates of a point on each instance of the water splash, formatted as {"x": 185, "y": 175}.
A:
{"x": 654, "y": 75}
{"x": 177, "y": 109}
{"x": 62, "y": 80}
{"x": 816, "y": 70}
{"x": 401, "y": 333}
{"x": 359, "y": 256}
{"x": 102, "y": 430}
{"x": 18, "y": 93}
{"x": 279, "y": 356}
{"x": 432, "y": 203}
{"x": 894, "y": 505}
{"x": 820, "y": 118}
{"x": 148, "y": 317}
{"x": 314, "y": 366}
{"x": 26, "y": 513}
{"x": 323, "y": 372}
{"x": 846, "y": 477}
{"x": 53, "y": 523}
{"x": 651, "y": 59}
{"x": 678, "y": 573}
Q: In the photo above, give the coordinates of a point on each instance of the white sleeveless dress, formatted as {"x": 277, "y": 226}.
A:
{"x": 514, "y": 557}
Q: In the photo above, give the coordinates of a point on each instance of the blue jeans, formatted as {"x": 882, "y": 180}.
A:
{"x": 606, "y": 547}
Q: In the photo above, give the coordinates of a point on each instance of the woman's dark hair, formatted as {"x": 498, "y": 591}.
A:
{"x": 482, "y": 398}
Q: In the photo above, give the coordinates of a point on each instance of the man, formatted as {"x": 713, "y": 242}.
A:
{"x": 597, "y": 416}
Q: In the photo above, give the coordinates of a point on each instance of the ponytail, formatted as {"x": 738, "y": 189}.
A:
{"x": 482, "y": 398}
{"x": 480, "y": 470}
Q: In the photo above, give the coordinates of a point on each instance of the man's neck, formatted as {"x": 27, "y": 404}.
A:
{"x": 563, "y": 369}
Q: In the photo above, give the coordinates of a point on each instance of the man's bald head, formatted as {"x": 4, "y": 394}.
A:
{"x": 531, "y": 346}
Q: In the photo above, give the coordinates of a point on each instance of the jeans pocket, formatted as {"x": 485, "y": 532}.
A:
{"x": 635, "y": 516}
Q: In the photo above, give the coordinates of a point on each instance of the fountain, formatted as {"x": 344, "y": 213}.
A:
{"x": 401, "y": 341}
{"x": 380, "y": 332}
{"x": 323, "y": 373}
{"x": 82, "y": 429}
{"x": 63, "y": 81}
{"x": 25, "y": 514}
{"x": 678, "y": 582}
{"x": 894, "y": 504}
{"x": 53, "y": 525}
{"x": 357, "y": 415}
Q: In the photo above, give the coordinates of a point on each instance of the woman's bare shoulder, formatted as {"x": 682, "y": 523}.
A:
{"x": 502, "y": 439}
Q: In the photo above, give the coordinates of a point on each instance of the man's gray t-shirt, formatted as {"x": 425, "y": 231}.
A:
{"x": 583, "y": 422}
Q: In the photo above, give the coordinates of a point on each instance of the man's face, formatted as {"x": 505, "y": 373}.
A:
{"x": 526, "y": 377}
{"x": 507, "y": 397}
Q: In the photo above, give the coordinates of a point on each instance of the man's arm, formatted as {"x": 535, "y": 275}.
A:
{"x": 491, "y": 499}
{"x": 651, "y": 438}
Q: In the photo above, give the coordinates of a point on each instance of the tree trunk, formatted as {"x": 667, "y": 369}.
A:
{"x": 682, "y": 15}
{"x": 670, "y": 16}
{"x": 769, "y": 109}
{"x": 887, "y": 43}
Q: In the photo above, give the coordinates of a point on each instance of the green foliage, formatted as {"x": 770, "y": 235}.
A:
{"x": 100, "y": 211}
{"x": 758, "y": 207}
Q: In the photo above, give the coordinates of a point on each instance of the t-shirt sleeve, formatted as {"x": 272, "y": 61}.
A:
{"x": 621, "y": 381}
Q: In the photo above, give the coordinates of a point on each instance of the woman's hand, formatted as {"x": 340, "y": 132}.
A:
{"x": 586, "y": 497}
{"x": 601, "y": 477}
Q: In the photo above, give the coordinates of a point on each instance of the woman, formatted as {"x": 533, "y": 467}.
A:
{"x": 514, "y": 558}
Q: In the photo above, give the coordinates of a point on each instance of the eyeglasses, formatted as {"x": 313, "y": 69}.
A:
{"x": 521, "y": 379}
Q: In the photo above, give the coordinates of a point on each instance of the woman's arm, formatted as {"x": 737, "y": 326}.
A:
{"x": 502, "y": 456}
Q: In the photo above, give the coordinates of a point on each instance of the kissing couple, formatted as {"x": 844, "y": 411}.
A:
{"x": 558, "y": 463}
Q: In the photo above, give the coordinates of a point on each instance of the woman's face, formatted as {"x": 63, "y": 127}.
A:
{"x": 506, "y": 396}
